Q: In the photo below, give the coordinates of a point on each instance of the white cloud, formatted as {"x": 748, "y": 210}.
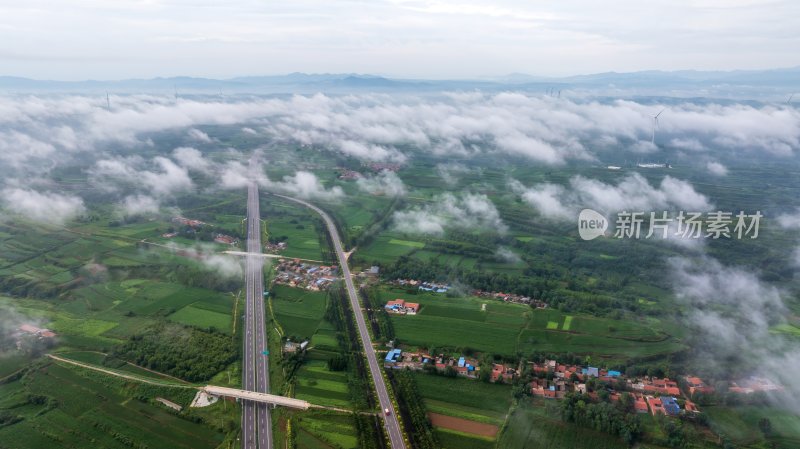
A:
{"x": 632, "y": 193}
{"x": 191, "y": 158}
{"x": 465, "y": 211}
{"x": 716, "y": 169}
{"x": 200, "y": 136}
{"x": 385, "y": 183}
{"x": 134, "y": 205}
{"x": 731, "y": 311}
{"x": 46, "y": 207}
{"x": 165, "y": 179}
{"x": 505, "y": 254}
{"x": 789, "y": 220}
{"x": 306, "y": 185}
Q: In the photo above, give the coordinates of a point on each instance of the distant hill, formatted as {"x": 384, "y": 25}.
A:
{"x": 773, "y": 82}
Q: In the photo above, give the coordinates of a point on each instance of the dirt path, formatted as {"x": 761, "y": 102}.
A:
{"x": 463, "y": 425}
{"x": 118, "y": 374}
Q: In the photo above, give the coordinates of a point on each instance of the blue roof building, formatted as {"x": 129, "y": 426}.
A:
{"x": 393, "y": 355}
{"x": 613, "y": 373}
{"x": 670, "y": 405}
{"x": 461, "y": 361}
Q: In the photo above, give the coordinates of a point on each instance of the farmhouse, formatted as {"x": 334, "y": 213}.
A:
{"x": 696, "y": 385}
{"x": 392, "y": 357}
{"x": 292, "y": 347}
{"x": 656, "y": 407}
{"x": 402, "y": 307}
{"x": 503, "y": 372}
{"x": 656, "y": 385}
{"x": 38, "y": 332}
{"x": 754, "y": 384}
{"x": 639, "y": 403}
{"x": 225, "y": 239}
{"x": 188, "y": 222}
{"x": 670, "y": 405}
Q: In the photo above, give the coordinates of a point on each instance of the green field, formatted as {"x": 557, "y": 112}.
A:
{"x": 464, "y": 398}
{"x": 94, "y": 411}
{"x": 196, "y": 316}
{"x": 410, "y": 243}
{"x": 506, "y": 328}
{"x": 740, "y": 425}
{"x": 534, "y": 427}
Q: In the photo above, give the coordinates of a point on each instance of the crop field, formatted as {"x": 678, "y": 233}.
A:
{"x": 91, "y": 411}
{"x": 464, "y": 398}
{"x": 299, "y": 312}
{"x": 410, "y": 243}
{"x": 456, "y": 440}
{"x": 506, "y": 328}
{"x": 334, "y": 429}
{"x": 318, "y": 385}
{"x": 533, "y": 426}
{"x": 192, "y": 315}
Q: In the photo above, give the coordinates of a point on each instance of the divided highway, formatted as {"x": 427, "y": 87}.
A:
{"x": 256, "y": 420}
{"x": 391, "y": 423}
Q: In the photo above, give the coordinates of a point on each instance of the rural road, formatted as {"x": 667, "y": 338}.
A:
{"x": 391, "y": 423}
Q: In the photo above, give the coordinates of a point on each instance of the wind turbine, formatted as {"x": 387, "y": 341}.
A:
{"x": 655, "y": 125}
{"x": 789, "y": 101}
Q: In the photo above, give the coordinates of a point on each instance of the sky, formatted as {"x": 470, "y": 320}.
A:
{"x": 100, "y": 39}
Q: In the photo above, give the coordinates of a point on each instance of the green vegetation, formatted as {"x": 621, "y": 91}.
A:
{"x": 412, "y": 409}
{"x": 184, "y": 352}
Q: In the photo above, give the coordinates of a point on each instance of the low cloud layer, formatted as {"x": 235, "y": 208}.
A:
{"x": 385, "y": 183}
{"x": 632, "y": 193}
{"x": 45, "y": 207}
{"x": 465, "y": 211}
{"x": 731, "y": 311}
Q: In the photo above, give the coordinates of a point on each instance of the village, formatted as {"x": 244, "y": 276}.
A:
{"x": 437, "y": 287}
{"x": 552, "y": 380}
{"x": 29, "y": 338}
{"x": 294, "y": 273}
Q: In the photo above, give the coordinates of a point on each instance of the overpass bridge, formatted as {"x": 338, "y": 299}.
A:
{"x": 267, "y": 256}
{"x": 264, "y": 398}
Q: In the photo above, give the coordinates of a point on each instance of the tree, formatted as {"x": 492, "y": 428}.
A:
{"x": 765, "y": 425}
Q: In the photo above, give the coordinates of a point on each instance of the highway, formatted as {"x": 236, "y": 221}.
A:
{"x": 391, "y": 423}
{"x": 256, "y": 420}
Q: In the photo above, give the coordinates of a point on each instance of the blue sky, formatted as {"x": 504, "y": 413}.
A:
{"x": 103, "y": 39}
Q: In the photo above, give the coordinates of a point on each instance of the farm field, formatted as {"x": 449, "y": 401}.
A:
{"x": 109, "y": 416}
{"x": 740, "y": 425}
{"x": 533, "y": 426}
{"x": 484, "y": 405}
{"x": 298, "y": 314}
{"x": 505, "y": 328}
